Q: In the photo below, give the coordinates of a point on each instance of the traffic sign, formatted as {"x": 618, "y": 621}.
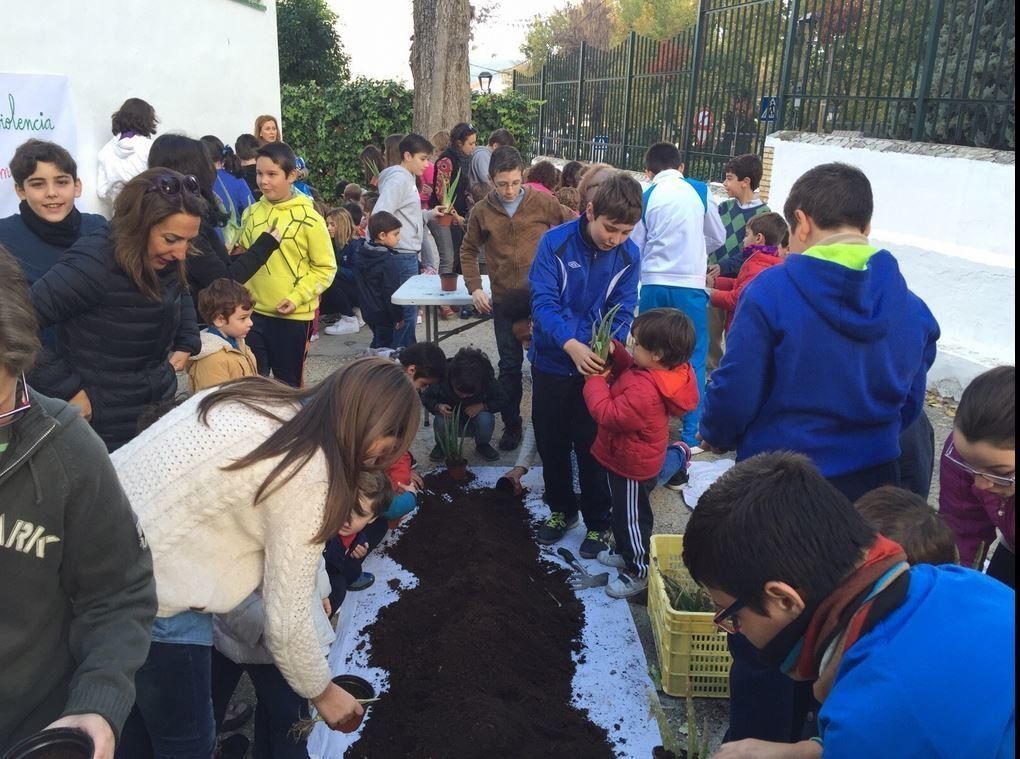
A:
{"x": 704, "y": 121}
{"x": 768, "y": 109}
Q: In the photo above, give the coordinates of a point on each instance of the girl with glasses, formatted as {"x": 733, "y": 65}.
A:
{"x": 977, "y": 473}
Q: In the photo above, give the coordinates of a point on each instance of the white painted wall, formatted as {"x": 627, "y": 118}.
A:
{"x": 948, "y": 215}
{"x": 207, "y": 66}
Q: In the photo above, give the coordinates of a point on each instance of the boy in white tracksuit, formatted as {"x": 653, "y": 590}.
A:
{"x": 674, "y": 259}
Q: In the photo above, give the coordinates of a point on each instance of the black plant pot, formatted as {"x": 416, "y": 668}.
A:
{"x": 59, "y": 743}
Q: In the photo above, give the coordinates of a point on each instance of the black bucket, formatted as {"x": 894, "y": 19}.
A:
{"x": 59, "y": 743}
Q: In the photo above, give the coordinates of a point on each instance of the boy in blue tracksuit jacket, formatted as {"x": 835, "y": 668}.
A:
{"x": 829, "y": 353}
{"x": 582, "y": 269}
{"x": 908, "y": 662}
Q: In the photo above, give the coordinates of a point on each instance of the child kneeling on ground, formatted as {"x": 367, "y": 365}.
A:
{"x": 226, "y": 306}
{"x": 632, "y": 415}
{"x": 471, "y": 386}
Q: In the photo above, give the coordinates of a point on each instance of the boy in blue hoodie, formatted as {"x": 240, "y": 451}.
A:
{"x": 830, "y": 351}
{"x": 582, "y": 269}
{"x": 908, "y": 662}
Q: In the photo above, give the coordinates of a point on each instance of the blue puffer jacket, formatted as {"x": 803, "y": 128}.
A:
{"x": 573, "y": 284}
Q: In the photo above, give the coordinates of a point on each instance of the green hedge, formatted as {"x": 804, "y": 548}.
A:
{"x": 329, "y": 125}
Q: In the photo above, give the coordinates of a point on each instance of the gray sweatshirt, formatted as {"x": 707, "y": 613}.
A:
{"x": 398, "y": 195}
{"x": 77, "y": 598}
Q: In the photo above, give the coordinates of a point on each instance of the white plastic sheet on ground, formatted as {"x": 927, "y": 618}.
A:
{"x": 611, "y": 680}
{"x": 701, "y": 475}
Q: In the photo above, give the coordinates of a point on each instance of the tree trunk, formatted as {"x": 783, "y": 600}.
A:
{"x": 439, "y": 64}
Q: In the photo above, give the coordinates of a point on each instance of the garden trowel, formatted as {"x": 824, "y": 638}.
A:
{"x": 581, "y": 578}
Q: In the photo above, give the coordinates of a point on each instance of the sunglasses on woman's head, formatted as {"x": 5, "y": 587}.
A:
{"x": 953, "y": 458}
{"x": 168, "y": 186}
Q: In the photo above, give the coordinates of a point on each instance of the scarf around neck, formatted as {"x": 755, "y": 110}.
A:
{"x": 61, "y": 234}
{"x": 875, "y": 589}
{"x": 769, "y": 250}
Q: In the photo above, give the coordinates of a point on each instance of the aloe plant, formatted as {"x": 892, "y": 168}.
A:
{"x": 450, "y": 192}
{"x": 697, "y": 743}
{"x": 602, "y": 334}
{"x": 371, "y": 167}
{"x": 683, "y": 593}
{"x": 452, "y": 438}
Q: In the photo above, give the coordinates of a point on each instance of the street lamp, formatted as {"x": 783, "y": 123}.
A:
{"x": 485, "y": 81}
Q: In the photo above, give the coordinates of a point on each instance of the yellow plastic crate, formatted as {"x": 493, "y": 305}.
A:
{"x": 693, "y": 658}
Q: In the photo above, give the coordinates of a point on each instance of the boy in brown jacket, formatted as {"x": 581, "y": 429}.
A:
{"x": 508, "y": 223}
{"x": 226, "y": 306}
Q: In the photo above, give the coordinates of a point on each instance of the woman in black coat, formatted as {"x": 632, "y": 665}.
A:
{"x": 119, "y": 302}
{"x": 210, "y": 260}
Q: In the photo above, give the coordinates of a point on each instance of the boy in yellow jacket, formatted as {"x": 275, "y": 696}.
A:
{"x": 287, "y": 289}
{"x": 226, "y": 307}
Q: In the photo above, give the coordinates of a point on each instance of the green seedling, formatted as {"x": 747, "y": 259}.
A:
{"x": 451, "y": 192}
{"x": 602, "y": 334}
{"x": 371, "y": 168}
{"x": 697, "y": 743}
{"x": 683, "y": 593}
{"x": 451, "y": 441}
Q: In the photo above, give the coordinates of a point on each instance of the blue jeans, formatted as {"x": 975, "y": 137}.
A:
{"x": 694, "y": 303}
{"x": 173, "y": 713}
{"x": 511, "y": 361}
{"x": 277, "y": 707}
{"x": 676, "y": 459}
{"x": 481, "y": 426}
{"x": 407, "y": 267}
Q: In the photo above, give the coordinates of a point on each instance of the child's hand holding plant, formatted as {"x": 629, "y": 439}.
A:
{"x": 474, "y": 410}
{"x": 444, "y": 409}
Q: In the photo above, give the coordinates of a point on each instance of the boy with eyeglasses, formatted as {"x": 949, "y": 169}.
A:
{"x": 906, "y": 661}
{"x": 508, "y": 223}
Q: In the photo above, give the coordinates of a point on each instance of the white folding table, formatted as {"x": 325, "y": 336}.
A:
{"x": 426, "y": 291}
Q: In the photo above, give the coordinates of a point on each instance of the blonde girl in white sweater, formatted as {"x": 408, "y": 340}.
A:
{"x": 240, "y": 487}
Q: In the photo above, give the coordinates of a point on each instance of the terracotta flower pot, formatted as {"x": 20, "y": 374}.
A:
{"x": 444, "y": 220}
{"x": 457, "y": 470}
{"x": 360, "y": 688}
{"x": 506, "y": 485}
{"x": 448, "y": 282}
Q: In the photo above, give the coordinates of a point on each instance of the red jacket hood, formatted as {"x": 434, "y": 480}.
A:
{"x": 678, "y": 387}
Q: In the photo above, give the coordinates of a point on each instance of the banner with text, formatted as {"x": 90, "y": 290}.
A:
{"x": 31, "y": 105}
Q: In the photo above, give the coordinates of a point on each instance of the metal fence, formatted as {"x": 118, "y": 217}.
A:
{"x": 920, "y": 70}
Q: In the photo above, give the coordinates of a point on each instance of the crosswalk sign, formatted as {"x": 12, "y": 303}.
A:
{"x": 768, "y": 109}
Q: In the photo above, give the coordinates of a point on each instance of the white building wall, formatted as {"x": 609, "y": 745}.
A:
{"x": 206, "y": 66}
{"x": 948, "y": 215}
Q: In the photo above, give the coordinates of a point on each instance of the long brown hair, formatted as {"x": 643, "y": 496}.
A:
{"x": 139, "y": 207}
{"x": 391, "y": 149}
{"x": 359, "y": 404}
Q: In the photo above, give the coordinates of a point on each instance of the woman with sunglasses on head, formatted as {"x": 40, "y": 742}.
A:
{"x": 977, "y": 474}
{"x": 78, "y": 597}
{"x": 119, "y": 301}
{"x": 189, "y": 157}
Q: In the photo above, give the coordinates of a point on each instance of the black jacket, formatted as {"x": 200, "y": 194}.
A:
{"x": 493, "y": 398}
{"x": 112, "y": 341}
{"x": 375, "y": 273}
{"x": 78, "y": 597}
{"x": 213, "y": 262}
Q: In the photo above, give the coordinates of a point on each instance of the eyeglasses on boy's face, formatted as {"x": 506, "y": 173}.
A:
{"x": 952, "y": 456}
{"x": 726, "y": 620}
{"x": 168, "y": 186}
{"x": 22, "y": 403}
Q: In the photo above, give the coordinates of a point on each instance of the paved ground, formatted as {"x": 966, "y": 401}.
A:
{"x": 670, "y": 514}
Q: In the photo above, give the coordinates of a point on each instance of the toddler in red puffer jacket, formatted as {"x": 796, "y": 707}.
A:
{"x": 631, "y": 403}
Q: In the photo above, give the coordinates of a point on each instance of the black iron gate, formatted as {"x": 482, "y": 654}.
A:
{"x": 922, "y": 70}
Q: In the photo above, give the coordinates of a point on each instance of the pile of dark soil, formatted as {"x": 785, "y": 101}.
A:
{"x": 479, "y": 654}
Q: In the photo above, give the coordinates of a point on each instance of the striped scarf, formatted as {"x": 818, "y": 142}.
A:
{"x": 876, "y": 588}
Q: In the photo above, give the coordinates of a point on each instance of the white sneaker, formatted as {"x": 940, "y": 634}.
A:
{"x": 625, "y": 586}
{"x": 314, "y": 337}
{"x": 614, "y": 560}
{"x": 347, "y": 325}
{"x": 357, "y": 315}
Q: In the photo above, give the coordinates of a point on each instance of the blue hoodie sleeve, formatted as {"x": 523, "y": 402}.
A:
{"x": 625, "y": 293}
{"x": 545, "y": 279}
{"x": 914, "y": 405}
{"x": 739, "y": 386}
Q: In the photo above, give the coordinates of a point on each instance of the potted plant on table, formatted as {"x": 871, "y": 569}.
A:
{"x": 451, "y": 441}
